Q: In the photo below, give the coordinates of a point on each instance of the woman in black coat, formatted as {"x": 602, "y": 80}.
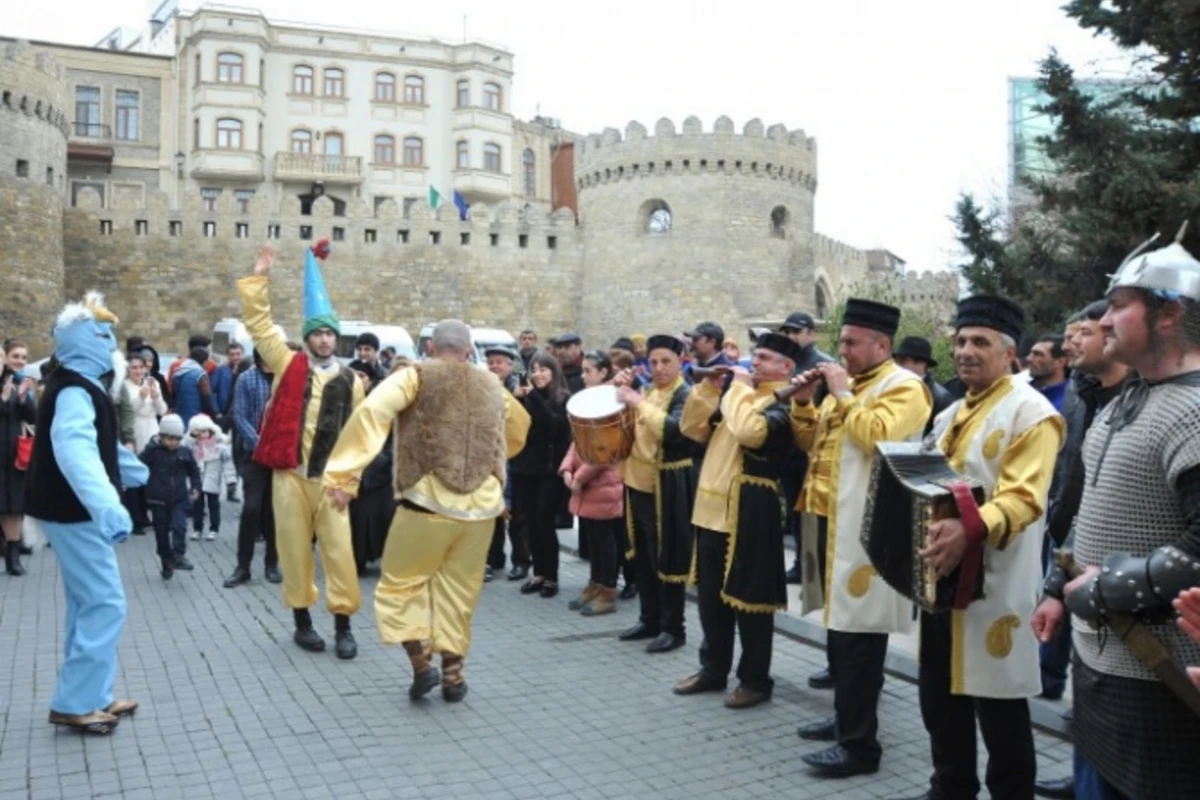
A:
{"x": 536, "y": 488}
{"x": 18, "y": 407}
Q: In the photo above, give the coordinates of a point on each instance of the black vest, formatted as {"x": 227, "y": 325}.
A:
{"x": 337, "y": 404}
{"x": 48, "y": 496}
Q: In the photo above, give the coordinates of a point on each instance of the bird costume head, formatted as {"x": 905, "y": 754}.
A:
{"x": 84, "y": 341}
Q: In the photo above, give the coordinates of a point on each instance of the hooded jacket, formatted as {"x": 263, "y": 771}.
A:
{"x": 172, "y": 473}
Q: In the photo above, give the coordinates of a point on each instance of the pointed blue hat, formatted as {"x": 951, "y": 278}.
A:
{"x": 318, "y": 310}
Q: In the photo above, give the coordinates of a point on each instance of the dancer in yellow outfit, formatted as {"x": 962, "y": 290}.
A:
{"x": 455, "y": 429}
{"x": 312, "y": 396}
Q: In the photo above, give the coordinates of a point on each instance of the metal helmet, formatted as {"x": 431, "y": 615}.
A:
{"x": 1170, "y": 272}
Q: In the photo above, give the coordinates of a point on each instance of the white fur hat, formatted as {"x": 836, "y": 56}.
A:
{"x": 171, "y": 425}
{"x": 203, "y": 422}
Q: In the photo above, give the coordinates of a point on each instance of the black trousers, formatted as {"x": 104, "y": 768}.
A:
{"x": 718, "y": 620}
{"x": 603, "y": 536}
{"x": 258, "y": 516}
{"x": 950, "y": 720}
{"x": 213, "y": 501}
{"x": 856, "y": 664}
{"x": 518, "y": 544}
{"x": 661, "y": 602}
{"x": 170, "y": 528}
{"x": 537, "y": 497}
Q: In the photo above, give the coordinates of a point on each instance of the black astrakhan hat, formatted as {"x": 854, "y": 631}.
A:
{"x": 918, "y": 348}
{"x": 991, "y": 311}
{"x": 666, "y": 342}
{"x": 623, "y": 343}
{"x": 869, "y": 314}
{"x": 778, "y": 343}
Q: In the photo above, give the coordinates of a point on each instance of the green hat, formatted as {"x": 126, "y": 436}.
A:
{"x": 327, "y": 320}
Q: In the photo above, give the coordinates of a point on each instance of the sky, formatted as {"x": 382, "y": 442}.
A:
{"x": 908, "y": 99}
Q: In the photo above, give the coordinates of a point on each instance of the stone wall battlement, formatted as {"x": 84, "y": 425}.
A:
{"x": 773, "y": 153}
{"x": 33, "y": 83}
{"x": 826, "y": 249}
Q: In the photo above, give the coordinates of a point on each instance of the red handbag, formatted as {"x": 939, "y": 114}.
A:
{"x": 24, "y": 448}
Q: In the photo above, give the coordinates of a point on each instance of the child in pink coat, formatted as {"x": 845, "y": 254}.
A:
{"x": 597, "y": 498}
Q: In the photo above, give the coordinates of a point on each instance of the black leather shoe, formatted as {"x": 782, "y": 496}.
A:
{"x": 666, "y": 642}
{"x": 183, "y": 564}
{"x": 1063, "y": 788}
{"x": 823, "y": 731}
{"x": 638, "y": 631}
{"x": 793, "y": 575}
{"x": 238, "y": 577}
{"x": 454, "y": 693}
{"x": 488, "y": 574}
{"x": 344, "y": 645}
{"x": 629, "y": 591}
{"x": 518, "y": 573}
{"x": 26, "y": 550}
{"x": 836, "y": 762}
{"x": 695, "y": 684}
{"x": 822, "y": 680}
{"x": 549, "y": 589}
{"x": 424, "y": 682}
{"x": 273, "y": 575}
{"x": 168, "y": 568}
{"x": 531, "y": 586}
{"x": 309, "y": 640}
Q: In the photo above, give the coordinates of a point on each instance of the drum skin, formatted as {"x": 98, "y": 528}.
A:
{"x": 602, "y": 426}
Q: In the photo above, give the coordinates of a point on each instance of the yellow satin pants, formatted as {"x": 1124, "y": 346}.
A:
{"x": 432, "y": 572}
{"x": 301, "y": 509}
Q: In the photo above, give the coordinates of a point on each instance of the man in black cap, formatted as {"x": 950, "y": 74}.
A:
{"x": 916, "y": 355}
{"x": 708, "y": 342}
{"x": 739, "y": 564}
{"x": 981, "y": 663}
{"x": 660, "y": 489}
{"x": 871, "y": 400}
{"x": 501, "y": 362}
{"x": 569, "y": 349}
{"x": 366, "y": 361}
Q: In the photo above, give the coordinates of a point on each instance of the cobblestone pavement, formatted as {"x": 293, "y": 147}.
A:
{"x": 557, "y": 707}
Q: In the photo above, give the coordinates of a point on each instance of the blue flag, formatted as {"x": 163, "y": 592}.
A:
{"x": 460, "y": 204}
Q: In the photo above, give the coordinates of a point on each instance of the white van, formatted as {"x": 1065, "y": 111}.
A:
{"x": 389, "y": 336}
{"x": 229, "y": 331}
{"x": 481, "y": 339}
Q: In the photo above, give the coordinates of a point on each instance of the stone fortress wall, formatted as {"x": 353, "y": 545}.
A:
{"x": 740, "y": 248}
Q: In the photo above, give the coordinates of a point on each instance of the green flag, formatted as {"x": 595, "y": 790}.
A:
{"x": 435, "y": 199}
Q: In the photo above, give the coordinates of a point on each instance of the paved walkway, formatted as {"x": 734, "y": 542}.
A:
{"x": 557, "y": 708}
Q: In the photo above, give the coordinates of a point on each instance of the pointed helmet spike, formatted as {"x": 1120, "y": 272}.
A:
{"x": 1182, "y": 230}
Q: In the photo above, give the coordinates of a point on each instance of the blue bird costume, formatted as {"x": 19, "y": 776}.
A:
{"x": 73, "y": 495}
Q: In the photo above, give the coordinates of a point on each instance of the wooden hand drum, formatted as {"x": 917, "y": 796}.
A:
{"x": 602, "y": 425}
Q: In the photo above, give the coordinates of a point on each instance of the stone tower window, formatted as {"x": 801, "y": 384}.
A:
{"x": 529, "y": 173}
{"x": 822, "y": 300}
{"x": 780, "y": 219}
{"x": 657, "y": 217}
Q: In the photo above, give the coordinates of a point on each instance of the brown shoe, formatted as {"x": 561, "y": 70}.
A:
{"x": 119, "y": 708}
{"x": 585, "y": 597}
{"x": 698, "y": 683}
{"x": 600, "y": 603}
{"x": 98, "y": 722}
{"x": 741, "y": 697}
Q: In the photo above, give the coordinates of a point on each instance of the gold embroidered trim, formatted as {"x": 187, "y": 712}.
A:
{"x": 731, "y": 545}
{"x": 668, "y": 466}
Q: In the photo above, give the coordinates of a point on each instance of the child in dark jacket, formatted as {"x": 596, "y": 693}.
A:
{"x": 173, "y": 470}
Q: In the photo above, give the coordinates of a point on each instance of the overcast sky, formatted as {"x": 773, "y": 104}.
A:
{"x": 908, "y": 99}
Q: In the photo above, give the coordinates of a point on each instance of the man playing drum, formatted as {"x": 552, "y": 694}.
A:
{"x": 659, "y": 490}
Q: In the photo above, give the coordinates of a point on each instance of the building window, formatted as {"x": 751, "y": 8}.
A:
{"x": 243, "y": 230}
{"x": 529, "y": 173}
{"x": 198, "y": 75}
{"x": 195, "y": 133}
{"x": 491, "y": 157}
{"x": 208, "y": 198}
{"x": 229, "y": 134}
{"x": 491, "y": 96}
{"x": 127, "y": 116}
{"x": 243, "y": 198}
{"x": 302, "y": 80}
{"x": 414, "y": 152}
{"x": 49, "y": 176}
{"x": 87, "y": 111}
{"x": 334, "y": 144}
{"x": 229, "y": 68}
{"x": 462, "y": 155}
{"x": 385, "y": 150}
{"x": 22, "y": 168}
{"x": 464, "y": 94}
{"x": 414, "y": 90}
{"x": 779, "y": 222}
{"x": 385, "y": 87}
{"x": 334, "y": 83}
{"x": 658, "y": 217}
{"x": 301, "y": 141}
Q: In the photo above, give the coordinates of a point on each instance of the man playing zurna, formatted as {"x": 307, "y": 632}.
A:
{"x": 739, "y": 563}
{"x": 869, "y": 400}
{"x": 455, "y": 429}
{"x": 312, "y": 396}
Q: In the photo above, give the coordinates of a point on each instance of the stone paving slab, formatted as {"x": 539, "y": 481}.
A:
{"x": 557, "y": 708}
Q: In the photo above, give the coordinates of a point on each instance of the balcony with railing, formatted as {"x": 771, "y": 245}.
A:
{"x": 90, "y": 141}
{"x": 318, "y": 167}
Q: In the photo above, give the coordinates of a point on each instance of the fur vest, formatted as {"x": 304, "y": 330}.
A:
{"x": 454, "y": 429}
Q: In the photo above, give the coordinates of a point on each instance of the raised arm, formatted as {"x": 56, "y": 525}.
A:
{"x": 256, "y": 313}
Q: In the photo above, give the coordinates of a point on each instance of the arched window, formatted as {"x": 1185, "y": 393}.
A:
{"x": 385, "y": 150}
{"x": 464, "y": 93}
{"x": 491, "y": 96}
{"x": 414, "y": 90}
{"x": 529, "y": 173}
{"x": 229, "y": 68}
{"x": 822, "y": 300}
{"x": 302, "y": 79}
{"x": 229, "y": 134}
{"x": 462, "y": 158}
{"x": 656, "y": 217}
{"x": 779, "y": 222}
{"x": 301, "y": 141}
{"x": 414, "y": 151}
{"x": 491, "y": 157}
{"x": 335, "y": 83}
{"x": 385, "y": 87}
{"x": 334, "y": 144}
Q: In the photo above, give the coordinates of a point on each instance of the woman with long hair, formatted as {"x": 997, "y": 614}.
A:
{"x": 537, "y": 489}
{"x": 597, "y": 498}
{"x": 18, "y": 408}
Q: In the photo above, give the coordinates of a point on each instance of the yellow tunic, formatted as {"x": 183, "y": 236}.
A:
{"x": 271, "y": 346}
{"x": 743, "y": 426}
{"x": 640, "y": 470}
{"x": 368, "y": 428}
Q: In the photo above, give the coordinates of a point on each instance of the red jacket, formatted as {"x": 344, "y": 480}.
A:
{"x": 602, "y": 495}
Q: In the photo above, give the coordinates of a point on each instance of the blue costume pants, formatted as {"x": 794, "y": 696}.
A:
{"x": 95, "y": 602}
